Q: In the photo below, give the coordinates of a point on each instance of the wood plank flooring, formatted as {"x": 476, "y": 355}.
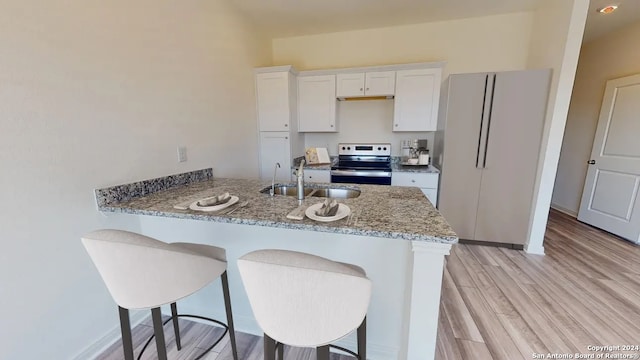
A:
{"x": 497, "y": 303}
{"x": 505, "y": 304}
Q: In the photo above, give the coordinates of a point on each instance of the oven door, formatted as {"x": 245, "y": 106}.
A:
{"x": 376, "y": 177}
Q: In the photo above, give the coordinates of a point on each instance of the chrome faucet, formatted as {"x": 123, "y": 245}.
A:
{"x": 300, "y": 180}
{"x": 273, "y": 182}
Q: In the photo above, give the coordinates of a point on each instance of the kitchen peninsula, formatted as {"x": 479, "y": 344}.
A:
{"x": 395, "y": 234}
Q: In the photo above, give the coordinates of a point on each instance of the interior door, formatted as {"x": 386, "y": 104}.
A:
{"x": 610, "y": 197}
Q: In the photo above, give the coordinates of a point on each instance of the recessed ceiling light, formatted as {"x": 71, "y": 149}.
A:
{"x": 608, "y": 9}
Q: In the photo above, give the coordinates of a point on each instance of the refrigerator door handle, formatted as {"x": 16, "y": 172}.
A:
{"x": 484, "y": 101}
{"x": 486, "y": 142}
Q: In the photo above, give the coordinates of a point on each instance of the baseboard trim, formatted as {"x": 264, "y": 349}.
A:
{"x": 564, "y": 210}
{"x": 97, "y": 348}
{"x": 491, "y": 243}
{"x": 538, "y": 250}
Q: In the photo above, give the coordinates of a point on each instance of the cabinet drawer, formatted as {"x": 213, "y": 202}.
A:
{"x": 414, "y": 179}
{"x": 323, "y": 176}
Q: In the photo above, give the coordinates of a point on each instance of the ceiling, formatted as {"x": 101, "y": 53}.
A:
{"x": 283, "y": 18}
{"x": 599, "y": 24}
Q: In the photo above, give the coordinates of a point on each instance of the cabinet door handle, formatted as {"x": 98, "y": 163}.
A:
{"x": 367, "y": 89}
{"x": 331, "y": 125}
{"x": 286, "y": 137}
{"x": 484, "y": 102}
{"x": 413, "y": 180}
{"x": 360, "y": 89}
{"x": 486, "y": 142}
{"x": 286, "y": 125}
{"x": 396, "y": 125}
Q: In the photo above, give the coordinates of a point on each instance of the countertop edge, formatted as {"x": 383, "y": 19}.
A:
{"x": 282, "y": 225}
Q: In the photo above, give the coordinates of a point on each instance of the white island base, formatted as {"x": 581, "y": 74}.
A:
{"x": 402, "y": 320}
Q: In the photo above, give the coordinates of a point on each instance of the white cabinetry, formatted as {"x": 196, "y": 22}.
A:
{"x": 275, "y": 147}
{"x": 319, "y": 176}
{"x": 380, "y": 83}
{"x": 416, "y": 100}
{"x": 317, "y": 103}
{"x": 273, "y": 103}
{"x": 427, "y": 182}
{"x": 277, "y": 120}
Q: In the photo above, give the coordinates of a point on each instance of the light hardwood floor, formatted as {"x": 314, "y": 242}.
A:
{"x": 498, "y": 303}
{"x": 506, "y": 304}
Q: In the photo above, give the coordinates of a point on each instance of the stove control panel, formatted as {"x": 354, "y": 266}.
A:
{"x": 365, "y": 149}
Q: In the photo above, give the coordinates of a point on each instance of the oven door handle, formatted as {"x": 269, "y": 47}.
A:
{"x": 361, "y": 173}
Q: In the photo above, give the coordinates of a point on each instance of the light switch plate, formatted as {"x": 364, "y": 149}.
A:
{"x": 182, "y": 153}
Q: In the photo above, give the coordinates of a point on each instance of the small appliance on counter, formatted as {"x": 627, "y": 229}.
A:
{"x": 415, "y": 152}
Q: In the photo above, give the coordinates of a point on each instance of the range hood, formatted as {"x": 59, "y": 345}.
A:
{"x": 357, "y": 98}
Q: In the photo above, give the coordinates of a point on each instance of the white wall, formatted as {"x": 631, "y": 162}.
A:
{"x": 611, "y": 56}
{"x": 555, "y": 43}
{"x": 99, "y": 93}
{"x": 364, "y": 121}
{"x": 491, "y": 43}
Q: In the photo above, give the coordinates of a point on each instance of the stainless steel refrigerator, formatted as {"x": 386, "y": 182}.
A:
{"x": 490, "y": 131}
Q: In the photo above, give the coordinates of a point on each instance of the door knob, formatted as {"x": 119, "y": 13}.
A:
{"x": 591, "y": 162}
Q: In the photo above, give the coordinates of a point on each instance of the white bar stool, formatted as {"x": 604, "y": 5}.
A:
{"x": 141, "y": 272}
{"x": 305, "y": 300}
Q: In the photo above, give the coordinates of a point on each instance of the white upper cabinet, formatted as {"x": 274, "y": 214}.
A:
{"x": 317, "y": 103}
{"x": 272, "y": 93}
{"x": 381, "y": 83}
{"x": 416, "y": 99}
{"x": 349, "y": 85}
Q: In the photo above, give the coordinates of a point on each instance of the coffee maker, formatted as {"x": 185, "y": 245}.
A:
{"x": 417, "y": 146}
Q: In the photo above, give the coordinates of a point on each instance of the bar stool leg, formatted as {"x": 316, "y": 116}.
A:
{"x": 281, "y": 351}
{"x": 125, "y": 329}
{"x": 176, "y": 326}
{"x": 362, "y": 340}
{"x": 157, "y": 330}
{"x": 269, "y": 348}
{"x": 227, "y": 305}
{"x": 322, "y": 352}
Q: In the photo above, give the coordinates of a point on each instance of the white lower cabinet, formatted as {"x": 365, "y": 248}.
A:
{"x": 275, "y": 147}
{"x": 427, "y": 182}
{"x": 319, "y": 176}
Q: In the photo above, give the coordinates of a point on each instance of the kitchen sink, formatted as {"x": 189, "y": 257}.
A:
{"x": 337, "y": 193}
{"x": 286, "y": 190}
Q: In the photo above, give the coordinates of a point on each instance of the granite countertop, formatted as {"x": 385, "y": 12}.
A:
{"x": 381, "y": 211}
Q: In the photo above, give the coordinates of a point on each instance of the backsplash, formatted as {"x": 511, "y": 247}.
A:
{"x": 126, "y": 192}
{"x": 364, "y": 121}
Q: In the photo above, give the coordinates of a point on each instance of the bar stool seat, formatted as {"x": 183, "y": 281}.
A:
{"x": 141, "y": 272}
{"x": 304, "y": 300}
